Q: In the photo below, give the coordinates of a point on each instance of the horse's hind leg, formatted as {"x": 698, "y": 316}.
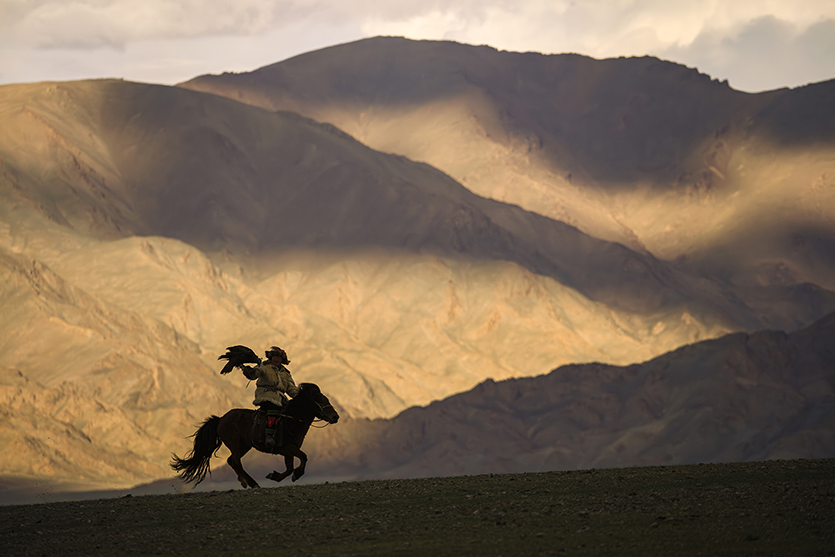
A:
{"x": 276, "y": 476}
{"x": 245, "y": 479}
{"x": 234, "y": 432}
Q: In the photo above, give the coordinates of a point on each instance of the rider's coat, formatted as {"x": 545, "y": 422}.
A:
{"x": 271, "y": 382}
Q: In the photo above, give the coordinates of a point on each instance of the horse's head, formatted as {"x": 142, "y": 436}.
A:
{"x": 323, "y": 409}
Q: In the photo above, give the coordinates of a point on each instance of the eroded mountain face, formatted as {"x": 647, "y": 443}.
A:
{"x": 647, "y": 153}
{"x": 738, "y": 398}
{"x": 145, "y": 228}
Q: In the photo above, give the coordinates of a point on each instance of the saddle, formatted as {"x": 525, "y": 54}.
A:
{"x": 264, "y": 421}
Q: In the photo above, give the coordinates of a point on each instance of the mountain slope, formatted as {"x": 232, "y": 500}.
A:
{"x": 737, "y": 398}
{"x": 145, "y": 228}
{"x": 640, "y": 151}
{"x": 221, "y": 175}
{"x": 389, "y": 283}
{"x": 90, "y": 390}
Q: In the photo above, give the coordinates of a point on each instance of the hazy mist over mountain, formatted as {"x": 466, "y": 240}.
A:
{"x": 408, "y": 219}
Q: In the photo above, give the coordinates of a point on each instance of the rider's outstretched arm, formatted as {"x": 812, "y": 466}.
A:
{"x": 250, "y": 373}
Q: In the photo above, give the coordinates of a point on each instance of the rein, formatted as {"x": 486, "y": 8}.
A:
{"x": 312, "y": 421}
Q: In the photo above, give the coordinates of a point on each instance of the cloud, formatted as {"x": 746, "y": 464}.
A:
{"x": 756, "y": 44}
{"x": 719, "y": 37}
{"x": 96, "y": 23}
{"x": 600, "y": 27}
{"x": 766, "y": 53}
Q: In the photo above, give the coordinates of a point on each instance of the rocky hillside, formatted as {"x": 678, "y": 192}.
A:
{"x": 145, "y": 228}
{"x": 738, "y": 398}
{"x": 648, "y": 153}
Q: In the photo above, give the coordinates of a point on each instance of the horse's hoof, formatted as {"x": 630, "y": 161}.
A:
{"x": 244, "y": 484}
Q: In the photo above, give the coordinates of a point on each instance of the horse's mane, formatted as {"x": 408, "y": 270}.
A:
{"x": 309, "y": 388}
{"x": 306, "y": 389}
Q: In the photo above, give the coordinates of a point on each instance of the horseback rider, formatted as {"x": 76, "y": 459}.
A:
{"x": 273, "y": 381}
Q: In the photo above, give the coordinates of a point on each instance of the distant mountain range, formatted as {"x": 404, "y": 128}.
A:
{"x": 738, "y": 398}
{"x": 406, "y": 218}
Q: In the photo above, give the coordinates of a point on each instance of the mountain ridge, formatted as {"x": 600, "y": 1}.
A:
{"x": 144, "y": 228}
{"x": 745, "y": 397}
{"x": 640, "y": 151}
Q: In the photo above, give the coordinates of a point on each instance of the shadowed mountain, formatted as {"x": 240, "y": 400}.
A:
{"x": 221, "y": 175}
{"x": 737, "y": 398}
{"x": 145, "y": 228}
{"x": 389, "y": 283}
{"x": 614, "y": 120}
{"x": 644, "y": 152}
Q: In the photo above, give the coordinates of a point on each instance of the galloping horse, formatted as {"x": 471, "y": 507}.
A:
{"x": 234, "y": 430}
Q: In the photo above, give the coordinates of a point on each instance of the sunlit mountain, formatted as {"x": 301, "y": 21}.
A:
{"x": 145, "y": 228}
{"x": 640, "y": 151}
{"x": 738, "y": 398}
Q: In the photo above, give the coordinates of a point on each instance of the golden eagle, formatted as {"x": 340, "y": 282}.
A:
{"x": 237, "y": 356}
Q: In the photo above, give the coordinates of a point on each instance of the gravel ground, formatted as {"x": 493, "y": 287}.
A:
{"x": 757, "y": 508}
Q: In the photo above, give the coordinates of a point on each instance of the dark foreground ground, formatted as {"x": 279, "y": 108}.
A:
{"x": 760, "y": 508}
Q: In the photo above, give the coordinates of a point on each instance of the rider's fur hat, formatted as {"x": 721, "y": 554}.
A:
{"x": 279, "y": 351}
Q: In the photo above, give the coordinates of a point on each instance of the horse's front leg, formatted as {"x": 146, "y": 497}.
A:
{"x": 276, "y": 476}
{"x": 299, "y": 471}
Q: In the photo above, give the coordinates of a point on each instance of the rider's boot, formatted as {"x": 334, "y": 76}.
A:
{"x": 271, "y": 433}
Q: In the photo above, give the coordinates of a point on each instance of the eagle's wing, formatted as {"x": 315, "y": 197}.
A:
{"x": 237, "y": 356}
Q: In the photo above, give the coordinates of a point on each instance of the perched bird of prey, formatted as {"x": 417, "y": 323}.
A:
{"x": 237, "y": 356}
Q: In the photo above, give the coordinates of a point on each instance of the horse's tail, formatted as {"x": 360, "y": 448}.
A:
{"x": 195, "y": 466}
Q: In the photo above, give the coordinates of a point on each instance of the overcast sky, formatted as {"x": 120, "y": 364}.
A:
{"x": 755, "y": 44}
